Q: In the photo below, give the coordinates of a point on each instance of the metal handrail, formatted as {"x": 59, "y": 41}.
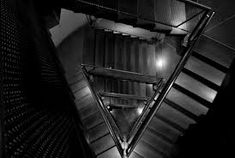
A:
{"x": 145, "y": 112}
{"x": 104, "y": 111}
{"x": 153, "y": 79}
{"x": 170, "y": 81}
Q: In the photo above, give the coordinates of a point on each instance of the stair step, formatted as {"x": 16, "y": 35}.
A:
{"x": 123, "y": 106}
{"x": 161, "y": 136}
{"x": 97, "y": 132}
{"x": 88, "y": 110}
{"x": 215, "y": 51}
{"x": 124, "y": 75}
{"x": 205, "y": 70}
{"x": 202, "y": 101}
{"x": 102, "y": 145}
{"x": 201, "y": 79}
{"x": 82, "y": 102}
{"x": 78, "y": 86}
{"x": 196, "y": 87}
{"x": 187, "y": 102}
{"x": 124, "y": 96}
{"x": 93, "y": 121}
{"x": 146, "y": 150}
{"x": 164, "y": 129}
{"x": 181, "y": 109}
{"x": 210, "y": 62}
{"x": 135, "y": 155}
{"x": 82, "y": 92}
{"x": 175, "y": 116}
{"x": 111, "y": 153}
{"x": 126, "y": 30}
{"x": 156, "y": 142}
{"x": 170, "y": 123}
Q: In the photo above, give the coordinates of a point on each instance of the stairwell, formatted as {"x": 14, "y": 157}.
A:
{"x": 190, "y": 97}
{"x": 125, "y": 70}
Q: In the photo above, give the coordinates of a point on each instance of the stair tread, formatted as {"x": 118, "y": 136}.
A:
{"x": 82, "y": 92}
{"x": 186, "y": 102}
{"x": 78, "y": 86}
{"x": 205, "y": 70}
{"x": 102, "y": 144}
{"x": 135, "y": 155}
{"x": 152, "y": 139}
{"x": 146, "y": 150}
{"x": 164, "y": 129}
{"x": 125, "y": 75}
{"x": 126, "y": 29}
{"x": 111, "y": 153}
{"x": 93, "y": 120}
{"x": 196, "y": 87}
{"x": 88, "y": 110}
{"x": 210, "y": 62}
{"x": 201, "y": 79}
{"x": 215, "y": 51}
{"x": 97, "y": 132}
{"x": 175, "y": 116}
{"x": 81, "y": 102}
{"x": 181, "y": 109}
{"x": 123, "y": 96}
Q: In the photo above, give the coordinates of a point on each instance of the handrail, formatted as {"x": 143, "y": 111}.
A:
{"x": 145, "y": 111}
{"x": 170, "y": 81}
{"x": 122, "y": 74}
{"x": 104, "y": 111}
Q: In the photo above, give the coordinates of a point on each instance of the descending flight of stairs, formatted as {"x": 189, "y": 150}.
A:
{"x": 190, "y": 97}
{"x": 137, "y": 13}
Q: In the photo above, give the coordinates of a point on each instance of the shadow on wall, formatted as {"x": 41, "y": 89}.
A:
{"x": 71, "y": 48}
{"x": 69, "y": 22}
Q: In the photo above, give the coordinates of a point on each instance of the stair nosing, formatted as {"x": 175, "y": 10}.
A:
{"x": 201, "y": 79}
{"x": 192, "y": 95}
{"x": 181, "y": 109}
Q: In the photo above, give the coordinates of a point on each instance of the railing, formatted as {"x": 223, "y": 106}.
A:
{"x": 113, "y": 129}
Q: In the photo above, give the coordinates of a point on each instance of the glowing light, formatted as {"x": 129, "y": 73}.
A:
{"x": 161, "y": 62}
{"x": 139, "y": 110}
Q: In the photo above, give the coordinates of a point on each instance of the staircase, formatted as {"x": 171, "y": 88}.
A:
{"x": 152, "y": 15}
{"x": 190, "y": 97}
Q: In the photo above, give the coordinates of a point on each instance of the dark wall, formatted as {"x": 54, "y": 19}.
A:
{"x": 37, "y": 116}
